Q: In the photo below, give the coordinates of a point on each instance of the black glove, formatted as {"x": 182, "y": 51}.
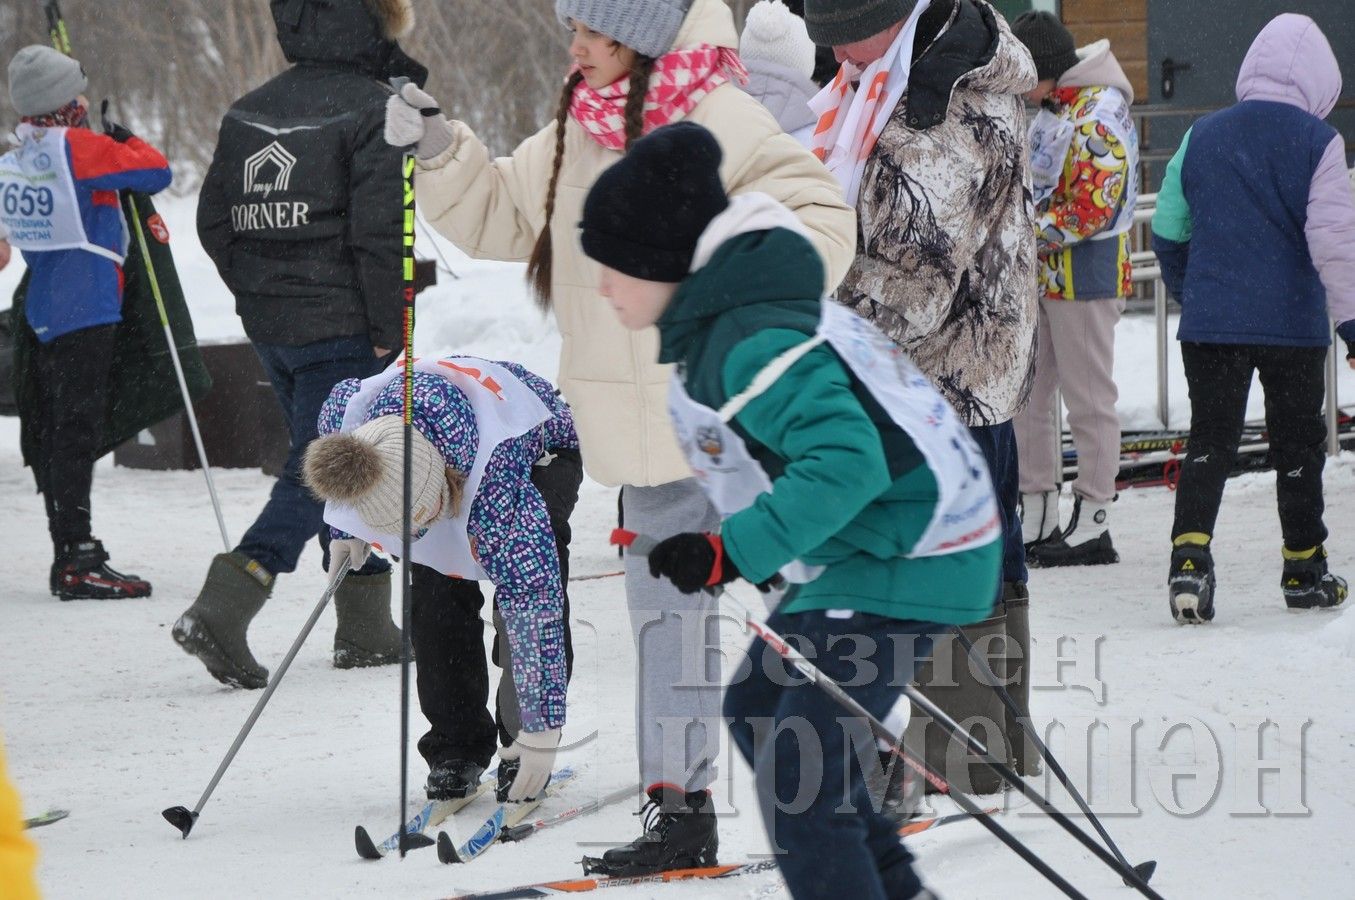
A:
{"x": 692, "y": 561}
{"x": 119, "y": 133}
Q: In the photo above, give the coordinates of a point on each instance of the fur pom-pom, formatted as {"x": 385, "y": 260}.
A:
{"x": 342, "y": 467}
{"x": 396, "y": 17}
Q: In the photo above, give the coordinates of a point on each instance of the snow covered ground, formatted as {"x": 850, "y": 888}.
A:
{"x": 102, "y": 714}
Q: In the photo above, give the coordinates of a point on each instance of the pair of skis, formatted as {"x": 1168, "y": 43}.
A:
{"x": 708, "y": 873}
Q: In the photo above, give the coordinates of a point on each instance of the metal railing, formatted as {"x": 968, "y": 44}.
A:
{"x": 1146, "y": 269}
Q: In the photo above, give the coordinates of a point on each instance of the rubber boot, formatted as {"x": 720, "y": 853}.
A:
{"x": 970, "y": 701}
{"x": 213, "y": 629}
{"x": 1015, "y": 674}
{"x": 366, "y": 636}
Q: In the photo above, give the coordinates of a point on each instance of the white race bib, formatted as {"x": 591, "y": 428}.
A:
{"x": 38, "y": 201}
{"x": 504, "y": 408}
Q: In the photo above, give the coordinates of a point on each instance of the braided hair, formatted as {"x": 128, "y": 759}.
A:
{"x": 540, "y": 266}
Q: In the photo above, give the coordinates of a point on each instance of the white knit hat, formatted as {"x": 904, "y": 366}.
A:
{"x": 775, "y": 34}
{"x": 365, "y": 470}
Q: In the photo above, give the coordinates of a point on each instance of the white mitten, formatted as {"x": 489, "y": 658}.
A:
{"x": 535, "y": 751}
{"x": 352, "y": 552}
{"x": 413, "y": 120}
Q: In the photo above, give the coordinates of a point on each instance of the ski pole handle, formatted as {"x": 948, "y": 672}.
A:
{"x": 398, "y": 85}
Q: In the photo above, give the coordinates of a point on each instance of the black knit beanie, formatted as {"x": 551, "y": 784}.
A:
{"x": 833, "y": 23}
{"x": 645, "y": 214}
{"x": 1049, "y": 42}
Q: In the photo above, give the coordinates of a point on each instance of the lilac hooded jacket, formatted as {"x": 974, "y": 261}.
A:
{"x": 1255, "y": 222}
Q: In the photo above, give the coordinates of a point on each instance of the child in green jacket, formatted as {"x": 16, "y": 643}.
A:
{"x": 833, "y": 462}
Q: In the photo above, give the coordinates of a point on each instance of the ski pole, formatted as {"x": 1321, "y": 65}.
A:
{"x": 641, "y": 545}
{"x": 526, "y": 829}
{"x": 56, "y": 27}
{"x": 178, "y": 369}
{"x": 61, "y": 40}
{"x": 184, "y": 819}
{"x": 406, "y": 540}
{"x": 1144, "y": 869}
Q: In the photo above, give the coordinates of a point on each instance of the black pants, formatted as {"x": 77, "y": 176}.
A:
{"x": 447, "y": 632}
{"x": 1219, "y": 376}
{"x": 72, "y": 377}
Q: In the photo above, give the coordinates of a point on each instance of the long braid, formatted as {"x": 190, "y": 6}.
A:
{"x": 635, "y": 98}
{"x": 539, "y": 267}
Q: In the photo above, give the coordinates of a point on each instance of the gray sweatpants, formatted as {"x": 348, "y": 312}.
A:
{"x": 677, "y": 644}
{"x": 1076, "y": 356}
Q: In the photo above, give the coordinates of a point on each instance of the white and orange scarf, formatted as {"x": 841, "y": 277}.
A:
{"x": 851, "y": 119}
{"x": 680, "y": 80}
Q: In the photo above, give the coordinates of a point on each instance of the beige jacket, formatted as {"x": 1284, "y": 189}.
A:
{"x": 494, "y": 208}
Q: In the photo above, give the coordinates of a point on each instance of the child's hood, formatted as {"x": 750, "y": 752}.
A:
{"x": 1291, "y": 62}
{"x": 730, "y": 272}
{"x": 1098, "y": 67}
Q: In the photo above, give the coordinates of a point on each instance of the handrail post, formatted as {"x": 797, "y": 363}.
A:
{"x": 1333, "y": 409}
{"x": 1160, "y": 311}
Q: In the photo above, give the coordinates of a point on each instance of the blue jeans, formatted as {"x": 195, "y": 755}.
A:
{"x": 302, "y": 378}
{"x": 831, "y": 845}
{"x": 998, "y": 443}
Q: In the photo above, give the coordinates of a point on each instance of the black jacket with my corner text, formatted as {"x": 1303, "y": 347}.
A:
{"x": 301, "y": 209}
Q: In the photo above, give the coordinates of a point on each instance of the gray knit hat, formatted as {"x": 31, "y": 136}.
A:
{"x": 42, "y": 80}
{"x": 649, "y": 27}
{"x": 833, "y": 23}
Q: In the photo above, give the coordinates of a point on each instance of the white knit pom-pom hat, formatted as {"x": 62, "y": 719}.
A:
{"x": 775, "y": 34}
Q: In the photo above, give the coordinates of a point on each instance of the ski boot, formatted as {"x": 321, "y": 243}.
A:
{"x": 81, "y": 572}
{"x": 365, "y": 636}
{"x": 679, "y": 834}
{"x": 1190, "y": 581}
{"x": 1306, "y": 582}
{"x": 895, "y": 789}
{"x": 213, "y": 629}
{"x": 1039, "y": 518}
{"x": 1085, "y": 542}
{"x": 453, "y": 779}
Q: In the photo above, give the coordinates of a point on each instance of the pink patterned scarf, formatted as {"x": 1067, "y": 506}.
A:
{"x": 681, "y": 79}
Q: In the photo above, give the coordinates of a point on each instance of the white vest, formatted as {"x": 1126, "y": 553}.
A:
{"x": 966, "y": 514}
{"x": 504, "y": 408}
{"x": 38, "y": 201}
{"x": 1051, "y": 138}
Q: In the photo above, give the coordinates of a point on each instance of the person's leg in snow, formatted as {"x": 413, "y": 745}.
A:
{"x": 1294, "y": 382}
{"x": 73, "y": 375}
{"x": 677, "y": 711}
{"x": 804, "y": 750}
{"x": 215, "y": 627}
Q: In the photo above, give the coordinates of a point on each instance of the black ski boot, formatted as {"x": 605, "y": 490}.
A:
{"x": 895, "y": 788}
{"x": 365, "y": 636}
{"x": 452, "y": 779}
{"x": 81, "y": 572}
{"x": 679, "y": 834}
{"x": 1190, "y": 584}
{"x": 213, "y": 629}
{"x": 1307, "y": 584}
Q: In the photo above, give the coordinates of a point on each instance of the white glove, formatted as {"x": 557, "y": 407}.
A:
{"x": 536, "y": 753}
{"x": 412, "y": 120}
{"x": 350, "y": 551}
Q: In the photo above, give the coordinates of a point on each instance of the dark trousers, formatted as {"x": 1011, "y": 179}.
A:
{"x": 72, "y": 376}
{"x": 302, "y": 378}
{"x": 447, "y": 631}
{"x": 998, "y": 443}
{"x": 833, "y": 841}
{"x": 1219, "y": 377}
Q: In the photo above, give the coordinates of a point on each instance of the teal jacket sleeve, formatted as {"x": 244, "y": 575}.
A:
{"x": 835, "y": 461}
{"x": 1172, "y": 225}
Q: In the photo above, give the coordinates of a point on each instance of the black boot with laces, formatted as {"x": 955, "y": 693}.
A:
{"x": 679, "y": 834}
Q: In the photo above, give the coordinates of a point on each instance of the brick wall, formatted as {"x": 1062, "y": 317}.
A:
{"x": 1125, "y": 23}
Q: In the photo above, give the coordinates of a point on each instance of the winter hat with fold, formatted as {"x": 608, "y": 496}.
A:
{"x": 649, "y": 27}
{"x": 1049, "y": 41}
{"x": 645, "y": 214}
{"x": 42, "y": 80}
